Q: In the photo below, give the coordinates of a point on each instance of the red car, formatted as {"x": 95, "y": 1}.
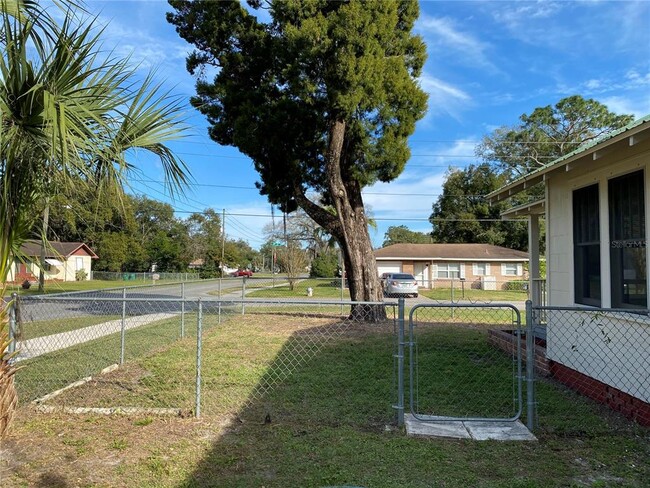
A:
{"x": 242, "y": 272}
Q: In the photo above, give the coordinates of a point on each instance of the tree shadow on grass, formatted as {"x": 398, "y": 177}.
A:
{"x": 330, "y": 377}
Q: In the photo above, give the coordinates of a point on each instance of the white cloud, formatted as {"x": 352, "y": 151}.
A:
{"x": 442, "y": 34}
{"x": 625, "y": 105}
{"x": 444, "y": 98}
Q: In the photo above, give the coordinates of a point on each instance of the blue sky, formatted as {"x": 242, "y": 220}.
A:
{"x": 488, "y": 63}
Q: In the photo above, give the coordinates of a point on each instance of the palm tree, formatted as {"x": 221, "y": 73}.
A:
{"x": 69, "y": 115}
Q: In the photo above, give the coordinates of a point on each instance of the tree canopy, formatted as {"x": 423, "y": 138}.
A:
{"x": 322, "y": 98}
{"x": 462, "y": 214}
{"x": 398, "y": 234}
{"x": 548, "y": 133}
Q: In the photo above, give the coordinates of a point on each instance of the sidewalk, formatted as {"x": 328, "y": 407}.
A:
{"x": 42, "y": 345}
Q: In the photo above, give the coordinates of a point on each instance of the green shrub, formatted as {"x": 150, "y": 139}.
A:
{"x": 324, "y": 265}
{"x": 516, "y": 285}
{"x": 80, "y": 275}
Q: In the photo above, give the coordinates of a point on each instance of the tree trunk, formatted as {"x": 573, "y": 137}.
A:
{"x": 350, "y": 227}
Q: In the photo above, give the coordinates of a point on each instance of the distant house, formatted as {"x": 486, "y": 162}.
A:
{"x": 436, "y": 265}
{"x": 62, "y": 261}
{"x": 597, "y": 207}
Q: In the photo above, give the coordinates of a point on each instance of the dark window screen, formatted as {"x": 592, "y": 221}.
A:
{"x": 628, "y": 241}
{"x": 586, "y": 246}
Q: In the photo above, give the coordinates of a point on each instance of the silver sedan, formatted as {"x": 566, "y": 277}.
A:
{"x": 396, "y": 284}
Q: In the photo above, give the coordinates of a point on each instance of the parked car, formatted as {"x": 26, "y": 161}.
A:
{"x": 396, "y": 284}
{"x": 242, "y": 272}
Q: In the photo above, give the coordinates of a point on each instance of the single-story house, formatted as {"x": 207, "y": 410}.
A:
{"x": 481, "y": 266}
{"x": 597, "y": 207}
{"x": 62, "y": 261}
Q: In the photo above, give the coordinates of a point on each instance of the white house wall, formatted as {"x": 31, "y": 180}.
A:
{"x": 559, "y": 232}
{"x": 616, "y": 350}
{"x": 605, "y": 346}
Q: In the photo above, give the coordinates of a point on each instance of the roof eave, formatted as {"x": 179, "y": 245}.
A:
{"x": 537, "y": 207}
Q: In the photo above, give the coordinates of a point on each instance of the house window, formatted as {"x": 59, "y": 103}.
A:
{"x": 481, "y": 269}
{"x": 448, "y": 270}
{"x": 79, "y": 263}
{"x": 586, "y": 246}
{"x": 627, "y": 241}
{"x": 510, "y": 269}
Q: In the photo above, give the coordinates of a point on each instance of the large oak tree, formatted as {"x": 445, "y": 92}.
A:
{"x": 322, "y": 98}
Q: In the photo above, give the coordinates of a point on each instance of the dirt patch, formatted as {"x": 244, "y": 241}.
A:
{"x": 63, "y": 450}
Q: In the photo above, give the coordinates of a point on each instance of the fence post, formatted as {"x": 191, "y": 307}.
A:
{"x": 530, "y": 367}
{"x": 123, "y": 329}
{"x": 12, "y": 323}
{"x": 182, "y": 310}
{"x": 400, "y": 362}
{"x": 199, "y": 345}
{"x": 219, "y": 289}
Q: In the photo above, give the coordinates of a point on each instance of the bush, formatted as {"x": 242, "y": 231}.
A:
{"x": 80, "y": 275}
{"x": 324, "y": 265}
{"x": 516, "y": 285}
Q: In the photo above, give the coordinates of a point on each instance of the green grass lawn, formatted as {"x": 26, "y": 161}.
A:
{"x": 474, "y": 295}
{"x": 30, "y": 330}
{"x": 297, "y": 400}
{"x": 67, "y": 286}
{"x": 321, "y": 289}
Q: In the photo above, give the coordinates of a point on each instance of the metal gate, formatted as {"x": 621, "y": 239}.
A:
{"x": 455, "y": 370}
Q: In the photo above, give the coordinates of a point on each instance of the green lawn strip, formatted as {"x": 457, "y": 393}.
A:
{"x": 320, "y": 289}
{"x": 89, "y": 285}
{"x": 472, "y": 294}
{"x": 44, "y": 374}
{"x": 328, "y": 389}
{"x": 460, "y": 374}
{"x": 31, "y": 330}
{"x": 287, "y": 454}
{"x": 505, "y": 317}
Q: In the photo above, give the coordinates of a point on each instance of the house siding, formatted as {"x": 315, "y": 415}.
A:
{"x": 428, "y": 276}
{"x": 65, "y": 272}
{"x": 576, "y": 345}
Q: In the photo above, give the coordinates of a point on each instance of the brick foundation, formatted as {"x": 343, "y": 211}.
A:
{"x": 617, "y": 400}
{"x": 506, "y": 341}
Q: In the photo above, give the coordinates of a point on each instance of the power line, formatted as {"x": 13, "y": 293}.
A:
{"x": 209, "y": 185}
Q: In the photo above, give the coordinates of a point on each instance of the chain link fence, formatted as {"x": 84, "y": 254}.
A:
{"x": 132, "y": 276}
{"x": 258, "y": 357}
{"x": 456, "y": 372}
{"x": 592, "y": 366}
{"x": 200, "y": 357}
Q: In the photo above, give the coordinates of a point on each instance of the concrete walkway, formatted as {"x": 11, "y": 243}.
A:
{"x": 457, "y": 429}
{"x": 42, "y": 345}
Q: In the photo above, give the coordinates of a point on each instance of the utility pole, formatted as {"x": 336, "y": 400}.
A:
{"x": 223, "y": 238}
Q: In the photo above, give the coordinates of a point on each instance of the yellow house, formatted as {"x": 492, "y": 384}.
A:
{"x": 62, "y": 261}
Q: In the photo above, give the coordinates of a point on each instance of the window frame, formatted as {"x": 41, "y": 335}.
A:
{"x": 477, "y": 272}
{"x": 446, "y": 270}
{"x": 627, "y": 232}
{"x": 586, "y": 244}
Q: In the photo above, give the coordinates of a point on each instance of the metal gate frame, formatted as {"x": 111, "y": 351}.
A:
{"x": 411, "y": 343}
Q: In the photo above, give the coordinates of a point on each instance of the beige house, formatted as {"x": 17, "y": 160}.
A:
{"x": 597, "y": 207}
{"x": 62, "y": 261}
{"x": 481, "y": 266}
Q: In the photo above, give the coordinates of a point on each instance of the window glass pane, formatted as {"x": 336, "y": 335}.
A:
{"x": 510, "y": 269}
{"x": 628, "y": 241}
{"x": 480, "y": 269}
{"x": 586, "y": 246}
{"x": 449, "y": 270}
